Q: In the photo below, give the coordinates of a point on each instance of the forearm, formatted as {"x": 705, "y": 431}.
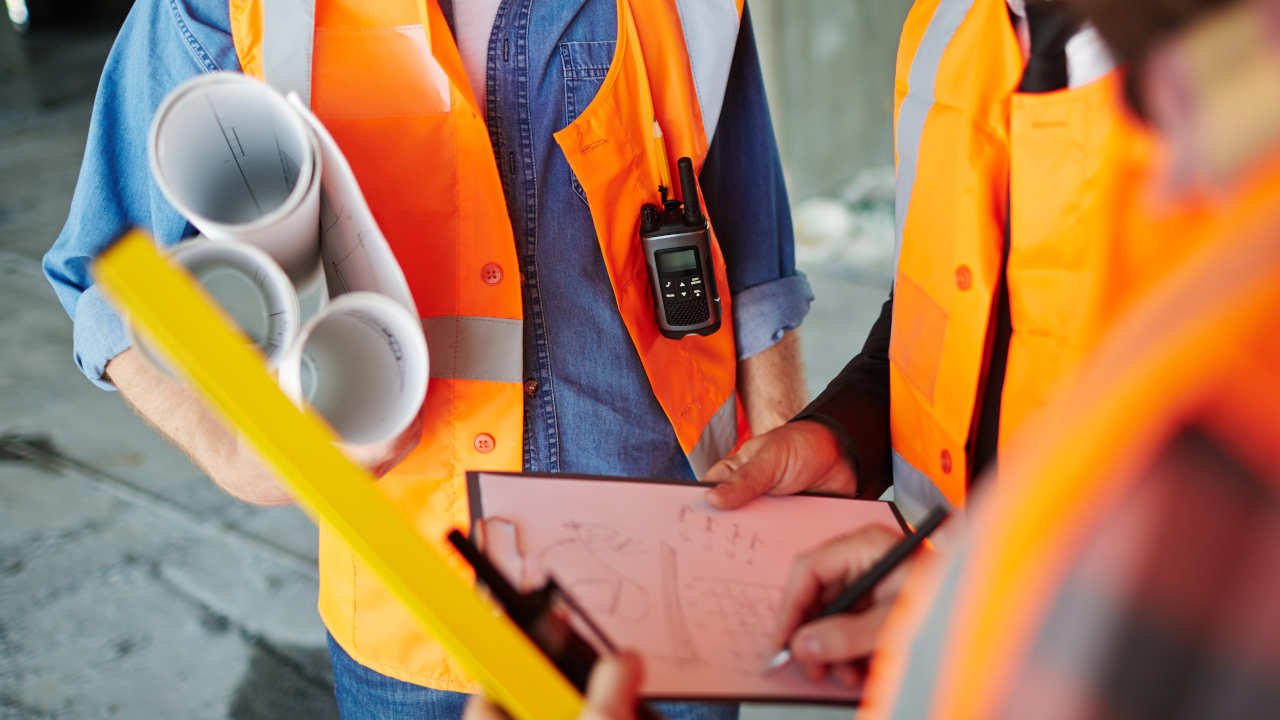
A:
{"x": 771, "y": 384}
{"x": 178, "y": 414}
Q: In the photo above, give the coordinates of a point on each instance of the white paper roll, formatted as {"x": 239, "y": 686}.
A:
{"x": 233, "y": 157}
{"x": 362, "y": 364}
{"x": 249, "y": 287}
{"x": 353, "y": 250}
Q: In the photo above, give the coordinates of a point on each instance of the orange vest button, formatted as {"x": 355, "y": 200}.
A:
{"x": 483, "y": 443}
{"x": 946, "y": 462}
{"x": 491, "y": 273}
{"x": 964, "y": 277}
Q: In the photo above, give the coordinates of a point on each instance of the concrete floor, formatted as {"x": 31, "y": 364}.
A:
{"x": 129, "y": 585}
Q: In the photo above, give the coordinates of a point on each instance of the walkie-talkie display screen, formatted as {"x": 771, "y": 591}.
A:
{"x": 677, "y": 261}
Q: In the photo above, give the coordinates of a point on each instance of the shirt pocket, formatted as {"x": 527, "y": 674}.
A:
{"x": 585, "y": 65}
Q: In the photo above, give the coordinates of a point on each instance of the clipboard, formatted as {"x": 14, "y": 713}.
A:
{"x": 692, "y": 589}
{"x": 197, "y": 340}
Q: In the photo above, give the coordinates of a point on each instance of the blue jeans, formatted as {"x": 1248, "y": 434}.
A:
{"x": 365, "y": 694}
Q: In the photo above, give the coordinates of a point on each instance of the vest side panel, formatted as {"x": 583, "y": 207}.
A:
{"x": 387, "y": 89}
{"x": 611, "y": 150}
{"x": 952, "y": 235}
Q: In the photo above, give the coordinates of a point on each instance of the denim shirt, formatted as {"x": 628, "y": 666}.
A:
{"x": 546, "y": 60}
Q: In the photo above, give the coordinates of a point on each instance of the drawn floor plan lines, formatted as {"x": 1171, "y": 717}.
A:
{"x": 696, "y": 591}
{"x": 741, "y": 614}
{"x": 672, "y": 603}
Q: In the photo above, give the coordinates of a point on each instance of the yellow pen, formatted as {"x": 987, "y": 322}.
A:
{"x": 664, "y": 166}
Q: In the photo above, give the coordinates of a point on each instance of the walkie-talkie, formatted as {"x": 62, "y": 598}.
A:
{"x": 677, "y": 249}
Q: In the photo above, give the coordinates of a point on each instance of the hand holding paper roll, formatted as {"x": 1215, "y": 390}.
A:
{"x": 269, "y": 188}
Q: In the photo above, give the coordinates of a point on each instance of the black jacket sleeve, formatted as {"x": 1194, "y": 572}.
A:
{"x": 856, "y": 407}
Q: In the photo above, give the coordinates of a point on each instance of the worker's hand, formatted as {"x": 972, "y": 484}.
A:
{"x": 612, "y": 693}
{"x": 838, "y": 645}
{"x": 381, "y": 458}
{"x": 795, "y": 457}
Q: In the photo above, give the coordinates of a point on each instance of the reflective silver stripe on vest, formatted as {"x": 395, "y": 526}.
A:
{"x": 288, "y": 35}
{"x": 921, "y": 82}
{"x": 913, "y": 492}
{"x": 475, "y": 348}
{"x": 710, "y": 37}
{"x": 926, "y": 653}
{"x": 718, "y": 437}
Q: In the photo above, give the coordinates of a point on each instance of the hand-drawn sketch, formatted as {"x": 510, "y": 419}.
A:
{"x": 724, "y": 536}
{"x": 673, "y": 607}
{"x": 740, "y": 614}
{"x": 696, "y": 591}
{"x": 583, "y": 563}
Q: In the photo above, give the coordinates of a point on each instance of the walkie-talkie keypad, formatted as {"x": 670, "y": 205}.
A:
{"x": 684, "y": 300}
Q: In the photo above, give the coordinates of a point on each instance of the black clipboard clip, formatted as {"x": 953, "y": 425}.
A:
{"x": 546, "y": 616}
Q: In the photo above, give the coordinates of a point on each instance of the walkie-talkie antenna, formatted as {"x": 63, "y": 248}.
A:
{"x": 689, "y": 192}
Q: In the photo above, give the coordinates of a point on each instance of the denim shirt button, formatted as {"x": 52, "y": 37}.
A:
{"x": 531, "y": 387}
{"x": 491, "y": 273}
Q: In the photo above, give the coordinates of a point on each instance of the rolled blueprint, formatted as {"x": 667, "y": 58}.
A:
{"x": 252, "y": 169}
{"x": 353, "y": 250}
{"x": 249, "y": 287}
{"x": 361, "y": 363}
{"x": 241, "y": 164}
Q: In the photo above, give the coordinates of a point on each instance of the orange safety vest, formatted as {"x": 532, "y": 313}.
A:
{"x": 975, "y": 157}
{"x": 386, "y": 79}
{"x": 957, "y": 642}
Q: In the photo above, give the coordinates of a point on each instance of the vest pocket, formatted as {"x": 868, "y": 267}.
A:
{"x": 585, "y": 65}
{"x": 919, "y": 331}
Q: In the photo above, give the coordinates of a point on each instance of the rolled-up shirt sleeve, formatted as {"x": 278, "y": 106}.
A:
{"x": 746, "y": 197}
{"x": 161, "y": 44}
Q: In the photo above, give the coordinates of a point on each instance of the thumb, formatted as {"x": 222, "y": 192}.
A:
{"x": 614, "y": 688}
{"x": 756, "y": 475}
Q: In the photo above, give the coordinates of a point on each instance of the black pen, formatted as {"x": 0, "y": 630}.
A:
{"x": 867, "y": 582}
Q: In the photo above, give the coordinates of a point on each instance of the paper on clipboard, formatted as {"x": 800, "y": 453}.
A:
{"x": 696, "y": 591}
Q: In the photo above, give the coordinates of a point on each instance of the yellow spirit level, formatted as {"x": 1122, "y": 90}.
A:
{"x": 172, "y": 314}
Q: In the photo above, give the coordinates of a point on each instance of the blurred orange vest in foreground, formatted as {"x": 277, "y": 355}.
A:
{"x": 977, "y": 159}
{"x": 1125, "y": 563}
{"x": 386, "y": 79}
{"x": 1008, "y": 627}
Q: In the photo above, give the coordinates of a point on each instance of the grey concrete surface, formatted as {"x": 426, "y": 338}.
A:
{"x": 129, "y": 586}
